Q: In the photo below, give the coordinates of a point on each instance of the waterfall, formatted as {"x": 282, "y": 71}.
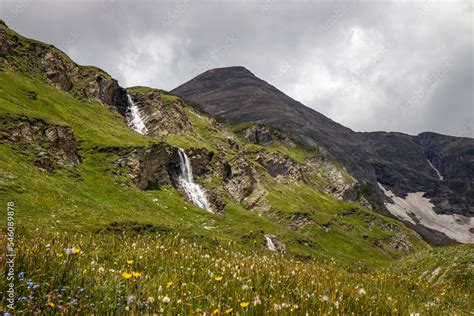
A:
{"x": 434, "y": 168}
{"x": 134, "y": 120}
{"x": 192, "y": 189}
{"x": 270, "y": 244}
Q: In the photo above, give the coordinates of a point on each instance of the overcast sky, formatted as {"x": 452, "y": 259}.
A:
{"x": 399, "y": 65}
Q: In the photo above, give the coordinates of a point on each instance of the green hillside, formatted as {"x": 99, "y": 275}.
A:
{"x": 79, "y": 176}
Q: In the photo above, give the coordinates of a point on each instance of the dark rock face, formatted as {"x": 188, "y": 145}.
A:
{"x": 240, "y": 177}
{"x": 157, "y": 165}
{"x": 53, "y": 145}
{"x": 281, "y": 167}
{"x": 4, "y": 46}
{"x": 161, "y": 116}
{"x": 258, "y": 135}
{"x": 152, "y": 167}
{"x": 400, "y": 162}
{"x": 200, "y": 160}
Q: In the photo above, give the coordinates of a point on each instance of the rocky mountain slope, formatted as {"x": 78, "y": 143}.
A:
{"x": 438, "y": 168}
{"x": 71, "y": 162}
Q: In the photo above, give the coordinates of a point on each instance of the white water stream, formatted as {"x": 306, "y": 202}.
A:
{"x": 135, "y": 120}
{"x": 270, "y": 244}
{"x": 193, "y": 191}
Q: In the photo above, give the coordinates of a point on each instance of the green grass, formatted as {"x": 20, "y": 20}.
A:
{"x": 109, "y": 273}
{"x": 57, "y": 107}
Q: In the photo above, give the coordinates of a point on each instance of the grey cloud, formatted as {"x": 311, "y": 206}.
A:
{"x": 359, "y": 63}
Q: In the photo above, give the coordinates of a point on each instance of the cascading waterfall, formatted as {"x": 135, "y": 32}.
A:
{"x": 270, "y": 245}
{"x": 135, "y": 120}
{"x": 193, "y": 191}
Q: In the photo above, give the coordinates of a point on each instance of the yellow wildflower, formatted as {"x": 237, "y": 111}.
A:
{"x": 229, "y": 310}
{"x": 218, "y": 278}
{"x": 244, "y": 304}
{"x": 126, "y": 275}
{"x": 129, "y": 261}
{"x": 77, "y": 250}
{"x": 216, "y": 312}
{"x": 51, "y": 304}
{"x": 170, "y": 283}
{"x": 136, "y": 274}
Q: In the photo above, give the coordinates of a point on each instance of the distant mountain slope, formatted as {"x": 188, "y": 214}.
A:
{"x": 441, "y": 167}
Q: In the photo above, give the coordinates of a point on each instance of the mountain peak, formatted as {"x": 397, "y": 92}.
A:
{"x": 232, "y": 72}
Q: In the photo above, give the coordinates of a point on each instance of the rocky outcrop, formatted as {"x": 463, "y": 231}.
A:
{"x": 83, "y": 82}
{"x": 51, "y": 145}
{"x": 281, "y": 167}
{"x": 150, "y": 168}
{"x": 257, "y": 134}
{"x": 240, "y": 178}
{"x": 262, "y": 135}
{"x": 201, "y": 159}
{"x": 339, "y": 182}
{"x": 163, "y": 114}
{"x": 4, "y": 46}
{"x": 300, "y": 220}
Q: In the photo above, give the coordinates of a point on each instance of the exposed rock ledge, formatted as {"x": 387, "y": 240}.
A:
{"x": 52, "y": 145}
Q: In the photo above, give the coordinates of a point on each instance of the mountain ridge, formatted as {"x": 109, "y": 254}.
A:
{"x": 403, "y": 166}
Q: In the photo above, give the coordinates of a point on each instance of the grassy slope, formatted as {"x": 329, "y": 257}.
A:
{"x": 98, "y": 200}
{"x": 69, "y": 206}
{"x": 178, "y": 277}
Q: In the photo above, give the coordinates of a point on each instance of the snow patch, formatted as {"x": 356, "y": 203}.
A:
{"x": 415, "y": 208}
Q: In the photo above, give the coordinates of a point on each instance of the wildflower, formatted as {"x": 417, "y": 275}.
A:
{"x": 216, "y": 311}
{"x": 257, "y": 301}
{"x": 276, "y": 307}
{"x": 245, "y": 287}
{"x": 101, "y": 270}
{"x": 170, "y": 283}
{"x": 361, "y": 291}
{"x": 324, "y": 298}
{"x": 284, "y": 305}
{"x": 130, "y": 299}
{"x": 51, "y": 304}
{"x": 229, "y": 310}
{"x": 218, "y": 278}
{"x": 76, "y": 250}
{"x": 166, "y": 300}
{"x": 129, "y": 261}
{"x": 198, "y": 310}
{"x": 414, "y": 314}
{"x": 126, "y": 275}
{"x": 136, "y": 274}
{"x": 150, "y": 300}
{"x": 244, "y": 304}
